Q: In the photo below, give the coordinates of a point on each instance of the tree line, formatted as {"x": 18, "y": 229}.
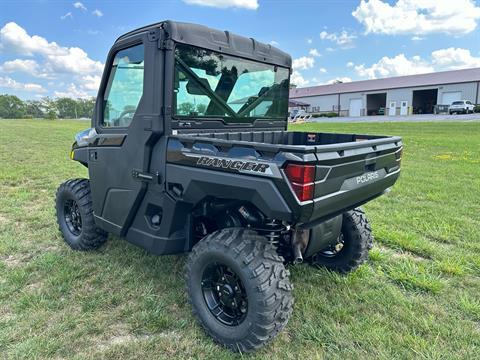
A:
{"x": 12, "y": 107}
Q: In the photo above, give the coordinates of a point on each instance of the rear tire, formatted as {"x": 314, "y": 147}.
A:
{"x": 355, "y": 241}
{"x": 239, "y": 288}
{"x": 75, "y": 216}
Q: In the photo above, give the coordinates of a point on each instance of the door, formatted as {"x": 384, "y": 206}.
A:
{"x": 404, "y": 108}
{"x": 355, "y": 107}
{"x": 392, "y": 108}
{"x": 449, "y": 97}
{"x": 124, "y": 114}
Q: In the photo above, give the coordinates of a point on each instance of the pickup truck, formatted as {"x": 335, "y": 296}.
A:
{"x": 189, "y": 152}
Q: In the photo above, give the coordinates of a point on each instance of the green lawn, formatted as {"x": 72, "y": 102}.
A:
{"x": 417, "y": 297}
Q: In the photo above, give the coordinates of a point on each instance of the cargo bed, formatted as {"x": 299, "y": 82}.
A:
{"x": 350, "y": 169}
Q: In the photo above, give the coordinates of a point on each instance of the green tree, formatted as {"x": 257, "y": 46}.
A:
{"x": 34, "y": 109}
{"x": 85, "y": 107}
{"x": 201, "y": 108}
{"x": 11, "y": 107}
{"x": 186, "y": 108}
{"x": 67, "y": 108}
{"x": 51, "y": 115}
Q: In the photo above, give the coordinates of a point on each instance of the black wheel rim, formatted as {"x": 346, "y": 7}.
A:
{"x": 335, "y": 249}
{"x": 73, "y": 219}
{"x": 224, "y": 294}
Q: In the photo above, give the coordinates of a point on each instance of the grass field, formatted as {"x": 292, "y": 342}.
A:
{"x": 417, "y": 297}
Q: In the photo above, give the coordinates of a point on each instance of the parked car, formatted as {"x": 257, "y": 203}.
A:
{"x": 461, "y": 106}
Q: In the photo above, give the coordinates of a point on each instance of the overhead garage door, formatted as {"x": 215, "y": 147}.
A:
{"x": 355, "y": 107}
{"x": 449, "y": 97}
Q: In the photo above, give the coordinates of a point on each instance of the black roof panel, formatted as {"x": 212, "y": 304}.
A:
{"x": 222, "y": 41}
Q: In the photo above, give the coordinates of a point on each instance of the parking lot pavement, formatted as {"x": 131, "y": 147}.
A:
{"x": 410, "y": 118}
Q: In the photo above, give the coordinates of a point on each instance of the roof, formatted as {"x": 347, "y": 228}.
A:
{"x": 438, "y": 78}
{"x": 292, "y": 102}
{"x": 216, "y": 40}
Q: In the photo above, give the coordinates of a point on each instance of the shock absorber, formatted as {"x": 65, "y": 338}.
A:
{"x": 273, "y": 230}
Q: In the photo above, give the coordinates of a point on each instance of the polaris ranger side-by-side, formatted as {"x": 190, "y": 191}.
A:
{"x": 189, "y": 152}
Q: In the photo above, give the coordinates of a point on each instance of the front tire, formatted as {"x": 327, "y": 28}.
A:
{"x": 75, "y": 216}
{"x": 354, "y": 243}
{"x": 239, "y": 288}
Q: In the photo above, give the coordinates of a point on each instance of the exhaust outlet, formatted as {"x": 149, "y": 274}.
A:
{"x": 299, "y": 244}
{"x": 297, "y": 254}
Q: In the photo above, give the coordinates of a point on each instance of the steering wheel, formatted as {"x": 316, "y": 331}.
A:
{"x": 125, "y": 118}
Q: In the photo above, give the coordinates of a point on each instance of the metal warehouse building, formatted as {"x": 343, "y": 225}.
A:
{"x": 403, "y": 95}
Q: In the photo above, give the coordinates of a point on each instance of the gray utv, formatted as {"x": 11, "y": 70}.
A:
{"x": 189, "y": 152}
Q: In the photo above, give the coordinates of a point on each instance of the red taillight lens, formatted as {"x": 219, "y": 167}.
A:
{"x": 303, "y": 192}
{"x": 301, "y": 178}
{"x": 300, "y": 174}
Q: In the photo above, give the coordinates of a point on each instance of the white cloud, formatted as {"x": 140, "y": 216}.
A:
{"x": 298, "y": 79}
{"x": 417, "y": 38}
{"x": 454, "y": 58}
{"x": 303, "y": 63}
{"x": 396, "y": 66}
{"x": 350, "y": 64}
{"x": 93, "y": 32}
{"x": 97, "y": 13}
{"x": 309, "y": 41}
{"x": 52, "y": 61}
{"x": 67, "y": 15}
{"x": 222, "y": 4}
{"x": 399, "y": 65}
{"x": 344, "y": 40}
{"x": 19, "y": 65}
{"x": 9, "y": 83}
{"x": 314, "y": 52}
{"x": 75, "y": 61}
{"x": 322, "y": 70}
{"x": 15, "y": 40}
{"x": 274, "y": 43}
{"x": 418, "y": 16}
{"x": 79, "y": 5}
{"x": 72, "y": 91}
{"x": 91, "y": 82}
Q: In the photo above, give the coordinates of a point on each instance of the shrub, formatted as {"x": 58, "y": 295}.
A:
{"x": 328, "y": 114}
{"x": 51, "y": 115}
{"x": 477, "y": 109}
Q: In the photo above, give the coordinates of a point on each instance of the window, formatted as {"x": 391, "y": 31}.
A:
{"x": 210, "y": 84}
{"x": 125, "y": 87}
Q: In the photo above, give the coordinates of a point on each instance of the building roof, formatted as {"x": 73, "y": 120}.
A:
{"x": 292, "y": 102}
{"x": 438, "y": 78}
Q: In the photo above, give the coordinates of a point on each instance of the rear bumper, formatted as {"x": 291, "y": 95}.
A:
{"x": 348, "y": 197}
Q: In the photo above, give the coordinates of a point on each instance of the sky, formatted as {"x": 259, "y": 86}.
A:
{"x": 58, "y": 48}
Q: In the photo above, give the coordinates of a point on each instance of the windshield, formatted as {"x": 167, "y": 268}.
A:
{"x": 457, "y": 103}
{"x": 210, "y": 85}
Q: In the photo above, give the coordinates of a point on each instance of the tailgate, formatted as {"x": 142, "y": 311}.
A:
{"x": 350, "y": 174}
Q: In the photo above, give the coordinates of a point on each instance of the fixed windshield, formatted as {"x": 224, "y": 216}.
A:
{"x": 209, "y": 84}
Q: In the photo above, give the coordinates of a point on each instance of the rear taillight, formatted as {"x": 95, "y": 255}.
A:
{"x": 301, "y": 178}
